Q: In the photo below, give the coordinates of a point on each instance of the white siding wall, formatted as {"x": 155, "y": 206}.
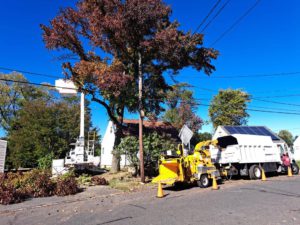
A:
{"x": 107, "y": 146}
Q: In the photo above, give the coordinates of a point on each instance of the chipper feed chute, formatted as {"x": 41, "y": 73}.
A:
{"x": 169, "y": 172}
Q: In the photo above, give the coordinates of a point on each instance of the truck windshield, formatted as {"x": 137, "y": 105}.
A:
{"x": 281, "y": 149}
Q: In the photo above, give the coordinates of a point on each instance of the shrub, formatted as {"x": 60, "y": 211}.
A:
{"x": 8, "y": 193}
{"x": 46, "y": 161}
{"x": 42, "y": 185}
{"x": 97, "y": 180}
{"x": 84, "y": 179}
{"x": 66, "y": 186}
{"x": 37, "y": 183}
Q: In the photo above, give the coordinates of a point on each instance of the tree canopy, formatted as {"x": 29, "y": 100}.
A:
{"x": 154, "y": 145}
{"x": 181, "y": 108}
{"x": 286, "y": 136}
{"x": 105, "y": 41}
{"x": 38, "y": 123}
{"x": 14, "y": 95}
{"x": 229, "y": 107}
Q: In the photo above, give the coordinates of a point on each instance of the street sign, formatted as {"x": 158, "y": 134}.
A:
{"x": 185, "y": 134}
{"x": 66, "y": 87}
{"x": 3, "y": 145}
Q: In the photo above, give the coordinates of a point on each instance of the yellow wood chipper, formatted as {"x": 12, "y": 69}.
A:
{"x": 189, "y": 167}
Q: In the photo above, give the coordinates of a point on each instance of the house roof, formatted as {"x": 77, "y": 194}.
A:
{"x": 252, "y": 130}
{"x": 161, "y": 127}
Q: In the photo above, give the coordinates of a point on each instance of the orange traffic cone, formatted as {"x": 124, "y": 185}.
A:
{"x": 214, "y": 183}
{"x": 290, "y": 171}
{"x": 263, "y": 175}
{"x": 160, "y": 192}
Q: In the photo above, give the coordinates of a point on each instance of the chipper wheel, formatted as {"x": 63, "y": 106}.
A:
{"x": 204, "y": 181}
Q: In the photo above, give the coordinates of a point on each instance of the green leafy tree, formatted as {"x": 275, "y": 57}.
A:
{"x": 286, "y": 136}
{"x": 154, "y": 144}
{"x": 42, "y": 130}
{"x": 198, "y": 137}
{"x": 229, "y": 107}
{"x": 182, "y": 108}
{"x": 113, "y": 42}
{"x": 14, "y": 95}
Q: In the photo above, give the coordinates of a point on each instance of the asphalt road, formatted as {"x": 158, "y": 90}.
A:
{"x": 276, "y": 201}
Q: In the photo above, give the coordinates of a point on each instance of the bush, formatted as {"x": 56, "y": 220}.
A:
{"x": 36, "y": 183}
{"x": 84, "y": 179}
{"x": 46, "y": 161}
{"x": 8, "y": 193}
{"x": 97, "y": 180}
{"x": 41, "y": 185}
{"x": 66, "y": 186}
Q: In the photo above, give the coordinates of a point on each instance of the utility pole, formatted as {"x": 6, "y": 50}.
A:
{"x": 141, "y": 150}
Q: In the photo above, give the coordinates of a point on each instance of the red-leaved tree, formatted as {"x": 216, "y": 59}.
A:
{"x": 105, "y": 38}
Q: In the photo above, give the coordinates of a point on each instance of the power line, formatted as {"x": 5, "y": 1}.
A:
{"x": 215, "y": 16}
{"x": 254, "y": 98}
{"x": 36, "y": 84}
{"x": 251, "y": 75}
{"x": 278, "y": 96}
{"x": 206, "y": 17}
{"x": 236, "y": 22}
{"x": 265, "y": 111}
{"x": 52, "y": 86}
{"x": 206, "y": 89}
{"x": 275, "y": 102}
{"x": 28, "y": 72}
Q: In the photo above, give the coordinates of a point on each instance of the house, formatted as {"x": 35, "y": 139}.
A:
{"x": 296, "y": 147}
{"x": 132, "y": 128}
{"x": 250, "y": 130}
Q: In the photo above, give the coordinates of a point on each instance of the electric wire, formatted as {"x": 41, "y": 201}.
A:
{"x": 236, "y": 23}
{"x": 28, "y": 72}
{"x": 52, "y": 86}
{"x": 206, "y": 17}
{"x": 205, "y": 89}
{"x": 215, "y": 16}
{"x": 249, "y": 76}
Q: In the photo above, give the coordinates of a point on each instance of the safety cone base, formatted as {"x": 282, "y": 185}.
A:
{"x": 290, "y": 172}
{"x": 263, "y": 175}
{"x": 214, "y": 184}
{"x": 160, "y": 192}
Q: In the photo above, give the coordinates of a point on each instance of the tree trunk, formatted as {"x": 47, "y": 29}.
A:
{"x": 115, "y": 165}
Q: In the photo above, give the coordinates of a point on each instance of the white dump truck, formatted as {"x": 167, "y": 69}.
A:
{"x": 244, "y": 155}
{"x": 296, "y": 148}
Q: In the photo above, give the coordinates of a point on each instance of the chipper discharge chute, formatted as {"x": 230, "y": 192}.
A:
{"x": 193, "y": 167}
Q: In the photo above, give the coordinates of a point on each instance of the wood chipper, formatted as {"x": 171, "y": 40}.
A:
{"x": 188, "y": 166}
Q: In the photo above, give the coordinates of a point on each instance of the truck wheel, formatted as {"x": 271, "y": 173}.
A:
{"x": 204, "y": 181}
{"x": 295, "y": 168}
{"x": 254, "y": 172}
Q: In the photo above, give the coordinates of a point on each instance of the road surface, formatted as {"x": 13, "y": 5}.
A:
{"x": 275, "y": 201}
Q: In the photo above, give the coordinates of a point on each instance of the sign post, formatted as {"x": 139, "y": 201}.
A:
{"x": 3, "y": 146}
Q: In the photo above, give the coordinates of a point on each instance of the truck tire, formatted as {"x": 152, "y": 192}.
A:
{"x": 295, "y": 168}
{"x": 204, "y": 181}
{"x": 254, "y": 172}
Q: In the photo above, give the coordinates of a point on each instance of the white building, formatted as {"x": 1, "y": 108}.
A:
{"x": 296, "y": 147}
{"x": 107, "y": 146}
{"x": 108, "y": 141}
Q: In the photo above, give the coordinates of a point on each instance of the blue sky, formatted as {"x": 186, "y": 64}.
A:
{"x": 265, "y": 42}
